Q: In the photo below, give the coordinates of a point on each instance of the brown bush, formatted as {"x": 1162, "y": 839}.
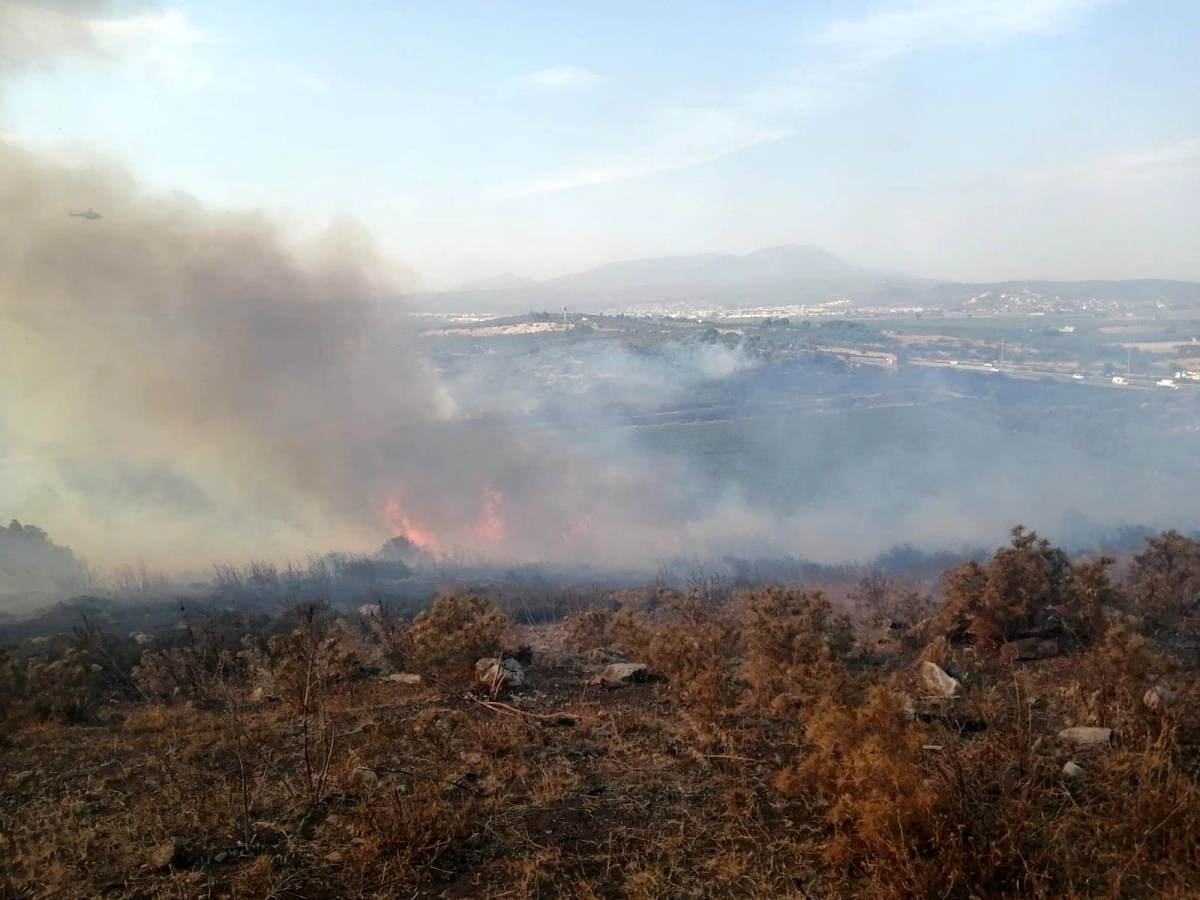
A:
{"x": 1165, "y": 579}
{"x": 452, "y": 634}
{"x": 588, "y": 629}
{"x": 65, "y": 689}
{"x": 694, "y": 644}
{"x": 1028, "y": 587}
{"x": 879, "y": 596}
{"x": 792, "y": 643}
{"x": 861, "y": 765}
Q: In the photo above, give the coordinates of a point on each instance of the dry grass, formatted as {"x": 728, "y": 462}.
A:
{"x": 776, "y": 760}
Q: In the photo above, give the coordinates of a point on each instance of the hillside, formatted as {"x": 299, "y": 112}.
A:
{"x": 774, "y": 264}
{"x": 775, "y": 276}
{"x": 1023, "y": 726}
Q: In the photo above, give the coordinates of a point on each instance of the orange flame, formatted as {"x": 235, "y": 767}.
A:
{"x": 490, "y": 525}
{"x": 403, "y": 525}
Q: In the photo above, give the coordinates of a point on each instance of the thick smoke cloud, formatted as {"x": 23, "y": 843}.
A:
{"x": 178, "y": 377}
{"x": 183, "y": 385}
{"x": 194, "y": 345}
{"x": 39, "y": 33}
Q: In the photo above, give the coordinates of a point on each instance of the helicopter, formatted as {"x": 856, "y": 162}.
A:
{"x": 90, "y": 214}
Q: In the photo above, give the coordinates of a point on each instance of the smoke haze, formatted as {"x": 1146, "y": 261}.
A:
{"x": 184, "y": 384}
{"x": 183, "y": 381}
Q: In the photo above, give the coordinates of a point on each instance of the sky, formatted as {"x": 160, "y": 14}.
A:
{"x": 964, "y": 139}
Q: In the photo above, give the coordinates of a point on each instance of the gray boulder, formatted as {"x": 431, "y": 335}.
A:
{"x": 937, "y": 682}
{"x": 1086, "y": 736}
{"x": 622, "y": 673}
{"x": 499, "y": 673}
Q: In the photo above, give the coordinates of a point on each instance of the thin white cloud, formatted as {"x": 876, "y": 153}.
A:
{"x": 697, "y": 136}
{"x": 561, "y": 78}
{"x": 847, "y": 52}
{"x": 159, "y": 45}
{"x": 900, "y": 28}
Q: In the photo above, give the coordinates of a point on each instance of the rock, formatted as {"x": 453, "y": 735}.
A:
{"x": 1086, "y": 735}
{"x": 498, "y": 673}
{"x": 1072, "y": 769}
{"x": 937, "y": 682}
{"x": 409, "y": 678}
{"x": 334, "y": 857}
{"x": 170, "y": 854}
{"x": 605, "y": 656}
{"x": 364, "y": 777}
{"x": 256, "y": 695}
{"x": 221, "y": 857}
{"x": 523, "y": 655}
{"x": 1030, "y": 648}
{"x": 1159, "y": 697}
{"x": 622, "y": 673}
{"x": 369, "y": 610}
{"x": 141, "y": 638}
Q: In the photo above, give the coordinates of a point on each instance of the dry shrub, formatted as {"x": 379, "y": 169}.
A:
{"x": 1010, "y": 824}
{"x": 1112, "y": 679}
{"x": 588, "y": 629}
{"x": 436, "y": 730}
{"x": 1090, "y": 592}
{"x": 62, "y": 690}
{"x": 631, "y": 630}
{"x": 415, "y": 829}
{"x": 936, "y": 651}
{"x": 861, "y": 764}
{"x": 306, "y": 661}
{"x": 1028, "y": 587}
{"x": 65, "y": 679}
{"x": 879, "y": 596}
{"x": 452, "y": 634}
{"x": 989, "y": 604}
{"x": 1141, "y": 821}
{"x": 1165, "y": 578}
{"x": 993, "y": 818}
{"x": 695, "y": 645}
{"x": 792, "y": 641}
{"x": 200, "y": 670}
{"x": 992, "y": 815}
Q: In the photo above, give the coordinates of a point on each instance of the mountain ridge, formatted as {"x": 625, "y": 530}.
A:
{"x": 785, "y": 262}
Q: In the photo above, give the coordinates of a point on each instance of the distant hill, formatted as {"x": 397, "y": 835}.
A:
{"x": 775, "y": 264}
{"x": 506, "y": 282}
{"x": 1135, "y": 291}
{"x": 785, "y": 275}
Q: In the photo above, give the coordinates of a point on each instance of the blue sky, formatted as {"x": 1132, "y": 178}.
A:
{"x": 970, "y": 139}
